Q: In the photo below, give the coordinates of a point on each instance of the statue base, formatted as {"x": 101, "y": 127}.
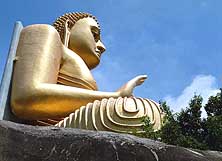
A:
{"x": 20, "y": 142}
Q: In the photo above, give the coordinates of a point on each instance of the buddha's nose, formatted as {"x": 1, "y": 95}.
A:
{"x": 100, "y": 46}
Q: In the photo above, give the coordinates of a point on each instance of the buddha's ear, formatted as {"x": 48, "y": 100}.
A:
{"x": 66, "y": 33}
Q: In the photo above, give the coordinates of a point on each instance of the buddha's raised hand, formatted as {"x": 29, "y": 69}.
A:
{"x": 127, "y": 89}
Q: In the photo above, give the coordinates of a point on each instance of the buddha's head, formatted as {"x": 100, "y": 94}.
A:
{"x": 80, "y": 32}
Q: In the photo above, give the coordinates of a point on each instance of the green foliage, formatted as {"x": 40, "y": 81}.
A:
{"x": 184, "y": 128}
{"x": 169, "y": 114}
{"x": 213, "y": 124}
{"x": 187, "y": 128}
{"x": 171, "y": 132}
{"x": 148, "y": 128}
{"x": 214, "y": 105}
{"x": 213, "y": 132}
{"x": 191, "y": 142}
{"x": 213, "y": 128}
{"x": 190, "y": 119}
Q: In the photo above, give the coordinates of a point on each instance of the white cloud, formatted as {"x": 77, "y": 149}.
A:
{"x": 205, "y": 85}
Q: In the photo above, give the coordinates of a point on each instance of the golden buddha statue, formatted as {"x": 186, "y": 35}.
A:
{"x": 52, "y": 83}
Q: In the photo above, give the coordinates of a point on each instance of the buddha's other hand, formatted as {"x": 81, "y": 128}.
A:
{"x": 127, "y": 89}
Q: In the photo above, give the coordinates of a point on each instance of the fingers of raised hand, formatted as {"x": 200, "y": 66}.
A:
{"x": 140, "y": 79}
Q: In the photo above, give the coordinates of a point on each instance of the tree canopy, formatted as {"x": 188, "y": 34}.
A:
{"x": 187, "y": 128}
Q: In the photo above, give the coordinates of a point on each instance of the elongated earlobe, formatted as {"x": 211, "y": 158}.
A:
{"x": 66, "y": 34}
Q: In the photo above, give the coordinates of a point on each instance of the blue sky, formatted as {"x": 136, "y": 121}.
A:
{"x": 176, "y": 43}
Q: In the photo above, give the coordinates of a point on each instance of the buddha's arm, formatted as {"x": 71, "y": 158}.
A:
{"x": 51, "y": 100}
{"x": 35, "y": 94}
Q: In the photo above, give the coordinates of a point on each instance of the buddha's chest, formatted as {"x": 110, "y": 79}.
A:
{"x": 74, "y": 72}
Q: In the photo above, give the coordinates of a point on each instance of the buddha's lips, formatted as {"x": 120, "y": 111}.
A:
{"x": 98, "y": 53}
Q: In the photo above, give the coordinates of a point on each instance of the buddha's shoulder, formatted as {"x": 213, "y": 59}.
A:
{"x": 40, "y": 29}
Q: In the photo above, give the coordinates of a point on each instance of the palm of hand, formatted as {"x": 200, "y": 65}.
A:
{"x": 127, "y": 89}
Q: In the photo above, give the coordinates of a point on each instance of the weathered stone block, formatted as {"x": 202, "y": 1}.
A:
{"x": 20, "y": 142}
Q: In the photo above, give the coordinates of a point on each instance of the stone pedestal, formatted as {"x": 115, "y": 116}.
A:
{"x": 20, "y": 142}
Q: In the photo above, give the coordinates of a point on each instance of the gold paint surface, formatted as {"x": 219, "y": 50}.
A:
{"x": 106, "y": 115}
{"x": 52, "y": 79}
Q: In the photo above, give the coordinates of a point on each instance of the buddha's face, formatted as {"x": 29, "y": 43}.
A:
{"x": 85, "y": 41}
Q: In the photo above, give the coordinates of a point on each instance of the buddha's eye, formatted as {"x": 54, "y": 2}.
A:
{"x": 95, "y": 33}
{"x": 95, "y": 36}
